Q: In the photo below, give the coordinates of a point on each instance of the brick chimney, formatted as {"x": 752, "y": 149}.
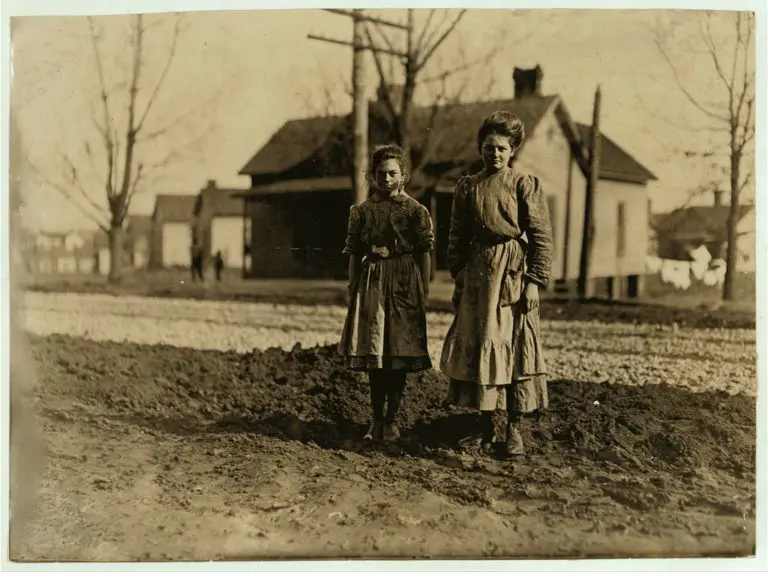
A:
{"x": 719, "y": 198}
{"x": 527, "y": 81}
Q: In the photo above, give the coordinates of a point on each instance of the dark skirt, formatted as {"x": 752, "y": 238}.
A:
{"x": 386, "y": 324}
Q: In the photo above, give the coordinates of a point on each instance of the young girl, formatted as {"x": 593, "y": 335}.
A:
{"x": 389, "y": 240}
{"x": 492, "y": 352}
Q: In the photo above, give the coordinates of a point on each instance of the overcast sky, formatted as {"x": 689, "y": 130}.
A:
{"x": 245, "y": 73}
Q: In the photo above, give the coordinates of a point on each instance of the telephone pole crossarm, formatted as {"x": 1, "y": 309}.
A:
{"x": 359, "y": 101}
{"x": 366, "y": 47}
{"x": 366, "y": 18}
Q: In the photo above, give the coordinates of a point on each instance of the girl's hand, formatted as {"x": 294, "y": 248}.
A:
{"x": 530, "y": 297}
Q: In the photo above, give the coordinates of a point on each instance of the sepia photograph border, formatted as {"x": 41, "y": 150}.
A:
{"x": 11, "y": 8}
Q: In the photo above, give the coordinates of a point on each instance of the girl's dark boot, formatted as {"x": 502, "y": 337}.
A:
{"x": 395, "y": 390}
{"x": 515, "y": 446}
{"x": 378, "y": 399}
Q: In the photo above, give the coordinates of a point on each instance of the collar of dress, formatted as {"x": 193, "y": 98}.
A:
{"x": 399, "y": 197}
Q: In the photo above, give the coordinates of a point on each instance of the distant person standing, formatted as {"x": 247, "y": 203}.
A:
{"x": 197, "y": 263}
{"x": 218, "y": 265}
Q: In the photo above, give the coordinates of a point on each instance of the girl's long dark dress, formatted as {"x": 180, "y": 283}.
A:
{"x": 492, "y": 352}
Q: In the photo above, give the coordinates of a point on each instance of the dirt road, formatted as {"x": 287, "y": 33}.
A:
{"x": 169, "y": 436}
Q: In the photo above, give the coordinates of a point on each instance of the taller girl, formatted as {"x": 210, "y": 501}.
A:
{"x": 492, "y": 351}
{"x": 389, "y": 240}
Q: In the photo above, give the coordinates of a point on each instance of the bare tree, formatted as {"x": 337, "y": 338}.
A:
{"x": 123, "y": 157}
{"x": 421, "y": 46}
{"x": 731, "y": 114}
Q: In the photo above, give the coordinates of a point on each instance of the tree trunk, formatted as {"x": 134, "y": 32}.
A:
{"x": 115, "y": 253}
{"x": 732, "y": 246}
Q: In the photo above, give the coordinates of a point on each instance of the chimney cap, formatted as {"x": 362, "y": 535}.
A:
{"x": 527, "y": 80}
{"x": 211, "y": 183}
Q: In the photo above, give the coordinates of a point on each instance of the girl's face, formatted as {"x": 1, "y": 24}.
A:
{"x": 496, "y": 152}
{"x": 389, "y": 176}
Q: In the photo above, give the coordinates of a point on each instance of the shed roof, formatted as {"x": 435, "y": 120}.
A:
{"x": 221, "y": 202}
{"x": 697, "y": 222}
{"x": 174, "y": 208}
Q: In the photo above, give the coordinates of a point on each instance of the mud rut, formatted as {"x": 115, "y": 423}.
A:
{"x": 257, "y": 454}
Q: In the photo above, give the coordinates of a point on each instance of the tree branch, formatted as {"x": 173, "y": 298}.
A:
{"x": 429, "y": 142}
{"x": 430, "y": 51}
{"x": 747, "y": 181}
{"x": 132, "y": 191}
{"x": 118, "y": 209}
{"x": 180, "y": 119}
{"x": 420, "y": 46}
{"x": 428, "y": 39}
{"x": 712, "y": 49}
{"x": 177, "y": 152}
{"x": 745, "y": 88}
{"x": 748, "y": 126}
{"x": 76, "y": 180}
{"x": 383, "y": 78}
{"x": 109, "y": 143}
{"x": 115, "y": 172}
{"x": 737, "y": 111}
{"x": 463, "y": 67}
{"x": 685, "y": 91}
{"x": 384, "y": 36}
{"x": 163, "y": 75}
{"x": 65, "y": 192}
{"x": 91, "y": 162}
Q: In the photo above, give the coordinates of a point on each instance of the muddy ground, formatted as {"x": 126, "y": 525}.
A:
{"x": 160, "y": 452}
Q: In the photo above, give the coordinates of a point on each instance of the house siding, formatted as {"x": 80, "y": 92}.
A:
{"x": 176, "y": 240}
{"x": 747, "y": 243}
{"x": 299, "y": 236}
{"x": 226, "y": 234}
{"x": 606, "y": 260}
{"x": 271, "y": 237}
{"x": 547, "y": 155}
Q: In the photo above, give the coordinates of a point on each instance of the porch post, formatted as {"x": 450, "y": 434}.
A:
{"x": 243, "y": 264}
{"x": 433, "y": 214}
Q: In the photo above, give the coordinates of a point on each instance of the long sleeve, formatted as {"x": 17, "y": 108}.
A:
{"x": 424, "y": 234}
{"x": 354, "y": 227}
{"x": 534, "y": 217}
{"x": 458, "y": 238}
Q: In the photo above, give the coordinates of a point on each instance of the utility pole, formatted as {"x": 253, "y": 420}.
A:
{"x": 359, "y": 110}
{"x": 360, "y": 102}
{"x": 589, "y": 223}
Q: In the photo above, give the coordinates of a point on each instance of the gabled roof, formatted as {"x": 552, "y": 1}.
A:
{"x": 615, "y": 163}
{"x": 324, "y": 141}
{"x": 322, "y": 146}
{"x": 221, "y": 202}
{"x": 454, "y": 135}
{"x": 174, "y": 208}
{"x": 294, "y": 142}
{"x": 139, "y": 224}
{"x": 697, "y": 222}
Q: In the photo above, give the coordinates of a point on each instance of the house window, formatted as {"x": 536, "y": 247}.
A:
{"x": 621, "y": 230}
{"x": 552, "y": 208}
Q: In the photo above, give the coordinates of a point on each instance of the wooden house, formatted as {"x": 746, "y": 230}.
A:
{"x": 171, "y": 233}
{"x": 301, "y": 187}
{"x": 683, "y": 230}
{"x": 71, "y": 252}
{"x": 220, "y": 224}
{"x": 138, "y": 236}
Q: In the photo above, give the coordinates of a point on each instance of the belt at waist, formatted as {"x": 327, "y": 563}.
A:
{"x": 495, "y": 240}
{"x": 383, "y": 253}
